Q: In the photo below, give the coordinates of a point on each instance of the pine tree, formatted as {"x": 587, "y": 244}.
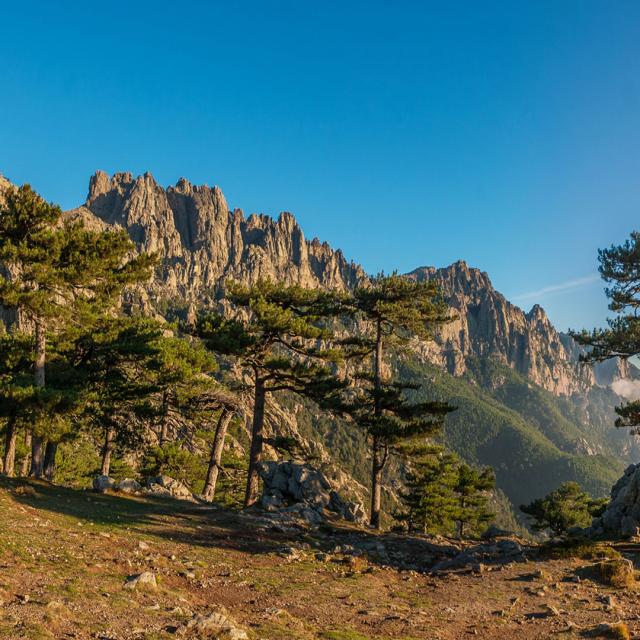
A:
{"x": 180, "y": 371}
{"x": 619, "y": 268}
{"x": 207, "y": 406}
{"x": 278, "y": 342}
{"x": 566, "y": 507}
{"x": 16, "y": 390}
{"x": 472, "y": 487}
{"x": 429, "y": 499}
{"x": 393, "y": 309}
{"x": 57, "y": 272}
{"x": 111, "y": 359}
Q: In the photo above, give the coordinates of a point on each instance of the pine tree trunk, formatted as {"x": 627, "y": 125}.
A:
{"x": 377, "y": 371}
{"x": 37, "y": 447}
{"x": 164, "y": 424}
{"x": 50, "y": 460}
{"x": 107, "y": 449}
{"x": 376, "y": 486}
{"x": 216, "y": 455}
{"x": 253, "y": 477}
{"x": 376, "y": 462}
{"x": 9, "y": 459}
{"x": 24, "y": 466}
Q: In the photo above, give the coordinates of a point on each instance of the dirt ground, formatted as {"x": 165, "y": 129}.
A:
{"x": 65, "y": 556}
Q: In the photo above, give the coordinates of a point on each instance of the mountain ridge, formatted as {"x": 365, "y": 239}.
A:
{"x": 203, "y": 243}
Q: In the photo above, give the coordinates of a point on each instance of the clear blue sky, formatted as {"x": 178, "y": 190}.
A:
{"x": 406, "y": 133}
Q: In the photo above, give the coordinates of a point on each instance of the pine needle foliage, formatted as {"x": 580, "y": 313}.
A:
{"x": 620, "y": 269}
{"x": 393, "y": 310}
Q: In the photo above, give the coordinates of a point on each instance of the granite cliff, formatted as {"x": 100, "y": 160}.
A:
{"x": 202, "y": 242}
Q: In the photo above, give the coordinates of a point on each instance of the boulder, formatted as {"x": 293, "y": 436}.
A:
{"x": 103, "y": 483}
{"x": 621, "y": 518}
{"x": 168, "y": 487}
{"x": 217, "y": 624}
{"x": 129, "y": 485}
{"x": 300, "y": 488}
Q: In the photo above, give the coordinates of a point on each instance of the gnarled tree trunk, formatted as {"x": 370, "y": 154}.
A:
{"x": 107, "y": 450}
{"x": 37, "y": 445}
{"x": 9, "y": 459}
{"x": 216, "y": 455}
{"x": 255, "y": 453}
{"x": 377, "y": 461}
{"x": 50, "y": 460}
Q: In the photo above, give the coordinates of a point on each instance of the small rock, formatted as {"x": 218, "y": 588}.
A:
{"x": 146, "y": 579}
{"x": 219, "y": 624}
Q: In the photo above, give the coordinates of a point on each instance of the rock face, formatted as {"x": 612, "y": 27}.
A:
{"x": 621, "y": 518}
{"x": 296, "y": 486}
{"x": 488, "y": 325}
{"x": 202, "y": 243}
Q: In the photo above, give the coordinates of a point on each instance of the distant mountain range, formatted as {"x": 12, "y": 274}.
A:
{"x": 527, "y": 406}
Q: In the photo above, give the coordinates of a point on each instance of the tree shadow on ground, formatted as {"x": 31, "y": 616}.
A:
{"x": 251, "y": 531}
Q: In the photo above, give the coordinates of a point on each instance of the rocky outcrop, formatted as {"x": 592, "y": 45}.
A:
{"x": 621, "y": 518}
{"x": 166, "y": 487}
{"x": 299, "y": 487}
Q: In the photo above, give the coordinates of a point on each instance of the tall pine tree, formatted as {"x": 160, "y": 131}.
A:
{"x": 111, "y": 359}
{"x": 56, "y": 272}
{"x": 620, "y": 269}
{"x": 277, "y": 339}
{"x": 393, "y": 310}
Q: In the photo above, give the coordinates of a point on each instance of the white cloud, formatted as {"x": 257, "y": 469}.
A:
{"x": 569, "y": 285}
{"x": 628, "y": 389}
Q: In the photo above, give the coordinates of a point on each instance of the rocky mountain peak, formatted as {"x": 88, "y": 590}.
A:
{"x": 202, "y": 243}
{"x": 488, "y": 325}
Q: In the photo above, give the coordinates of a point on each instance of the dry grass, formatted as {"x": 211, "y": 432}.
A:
{"x": 618, "y": 573}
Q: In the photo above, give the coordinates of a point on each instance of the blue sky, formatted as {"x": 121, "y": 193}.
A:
{"x": 506, "y": 134}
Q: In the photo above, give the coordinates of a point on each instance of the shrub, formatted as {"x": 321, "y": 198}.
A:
{"x": 174, "y": 461}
